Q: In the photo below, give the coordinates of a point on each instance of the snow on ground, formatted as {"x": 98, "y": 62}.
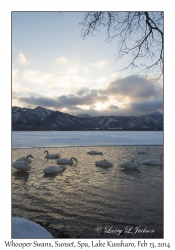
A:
{"x": 26, "y": 229}
{"x": 28, "y": 139}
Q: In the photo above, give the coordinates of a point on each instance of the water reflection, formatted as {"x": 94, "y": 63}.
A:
{"x": 131, "y": 171}
{"x": 107, "y": 168}
{"x": 51, "y": 175}
{"x": 21, "y": 175}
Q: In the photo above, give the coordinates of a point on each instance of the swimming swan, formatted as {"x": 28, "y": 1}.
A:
{"x": 66, "y": 160}
{"x": 144, "y": 151}
{"x": 51, "y": 156}
{"x": 22, "y": 165}
{"x": 54, "y": 169}
{"x": 154, "y": 162}
{"x": 104, "y": 163}
{"x": 23, "y": 159}
{"x": 94, "y": 152}
{"x": 130, "y": 164}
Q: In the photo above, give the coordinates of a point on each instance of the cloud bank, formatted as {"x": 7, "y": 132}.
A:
{"x": 130, "y": 95}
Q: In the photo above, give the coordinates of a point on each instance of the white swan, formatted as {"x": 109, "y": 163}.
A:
{"x": 54, "y": 169}
{"x": 22, "y": 165}
{"x": 23, "y": 159}
{"x": 94, "y": 152}
{"x": 130, "y": 164}
{"x": 153, "y": 162}
{"x": 51, "y": 156}
{"x": 66, "y": 160}
{"x": 144, "y": 151}
{"x": 104, "y": 163}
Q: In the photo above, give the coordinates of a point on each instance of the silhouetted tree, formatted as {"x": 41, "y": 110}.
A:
{"x": 138, "y": 35}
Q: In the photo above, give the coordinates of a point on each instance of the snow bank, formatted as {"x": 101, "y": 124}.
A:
{"x": 26, "y": 229}
{"x": 29, "y": 139}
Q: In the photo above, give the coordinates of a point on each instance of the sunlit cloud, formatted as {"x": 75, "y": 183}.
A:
{"x": 22, "y": 59}
{"x": 35, "y": 76}
{"x": 67, "y": 82}
{"x": 61, "y": 61}
{"x": 85, "y": 69}
{"x": 83, "y": 107}
{"x": 15, "y": 73}
{"x": 99, "y": 64}
{"x": 73, "y": 70}
{"x": 102, "y": 80}
{"x": 16, "y": 88}
{"x": 128, "y": 95}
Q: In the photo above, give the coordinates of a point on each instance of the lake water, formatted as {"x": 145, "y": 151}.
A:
{"x": 86, "y": 200}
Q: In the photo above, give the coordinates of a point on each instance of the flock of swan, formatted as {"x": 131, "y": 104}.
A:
{"x": 22, "y": 164}
{"x": 134, "y": 164}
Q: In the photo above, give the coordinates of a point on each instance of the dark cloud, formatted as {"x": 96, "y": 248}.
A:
{"x": 82, "y": 91}
{"x": 134, "y": 86}
{"x": 113, "y": 107}
{"x": 39, "y": 101}
{"x": 89, "y": 97}
{"x": 147, "y": 106}
{"x": 46, "y": 102}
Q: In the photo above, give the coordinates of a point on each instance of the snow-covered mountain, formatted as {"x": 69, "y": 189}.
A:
{"x": 84, "y": 115}
{"x": 44, "y": 119}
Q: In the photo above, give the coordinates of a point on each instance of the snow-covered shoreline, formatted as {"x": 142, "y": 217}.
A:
{"x": 42, "y": 139}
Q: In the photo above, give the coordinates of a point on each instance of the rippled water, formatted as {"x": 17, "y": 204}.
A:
{"x": 88, "y": 200}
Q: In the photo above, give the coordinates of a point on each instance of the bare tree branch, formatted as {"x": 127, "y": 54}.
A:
{"x": 138, "y": 35}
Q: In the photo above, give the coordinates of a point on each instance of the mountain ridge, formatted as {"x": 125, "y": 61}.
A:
{"x": 42, "y": 119}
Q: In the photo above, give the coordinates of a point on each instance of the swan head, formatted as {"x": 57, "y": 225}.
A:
{"x": 62, "y": 167}
{"x": 133, "y": 159}
{"x": 29, "y": 156}
{"x": 73, "y": 158}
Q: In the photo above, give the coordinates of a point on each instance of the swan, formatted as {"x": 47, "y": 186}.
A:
{"x": 23, "y": 159}
{"x": 104, "y": 163}
{"x": 54, "y": 169}
{"x": 153, "y": 162}
{"x": 94, "y": 152}
{"x": 144, "y": 151}
{"x": 22, "y": 165}
{"x": 130, "y": 164}
{"x": 66, "y": 160}
{"x": 51, "y": 156}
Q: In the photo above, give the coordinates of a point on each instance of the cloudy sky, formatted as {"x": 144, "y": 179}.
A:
{"x": 53, "y": 67}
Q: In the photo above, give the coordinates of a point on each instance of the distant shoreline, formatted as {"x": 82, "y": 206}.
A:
{"x": 90, "y": 130}
{"x": 146, "y": 145}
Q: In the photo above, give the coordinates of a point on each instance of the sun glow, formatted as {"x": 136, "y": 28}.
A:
{"x": 100, "y": 106}
{"x": 83, "y": 106}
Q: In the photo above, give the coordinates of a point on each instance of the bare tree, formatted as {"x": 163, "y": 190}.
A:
{"x": 138, "y": 35}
